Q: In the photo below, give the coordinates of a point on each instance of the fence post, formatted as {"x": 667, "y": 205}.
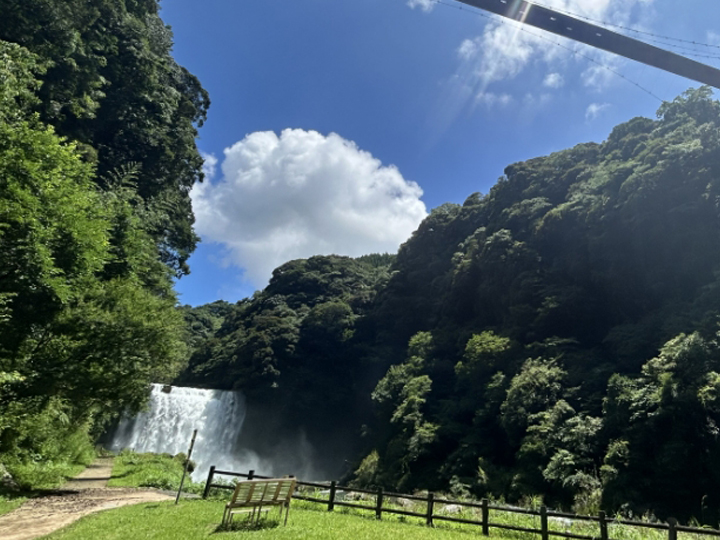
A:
{"x": 331, "y": 502}
{"x": 544, "y": 522}
{"x": 672, "y": 531}
{"x": 430, "y": 508}
{"x": 603, "y": 526}
{"x": 187, "y": 466}
{"x": 485, "y": 518}
{"x": 251, "y": 474}
{"x": 378, "y": 507}
{"x": 209, "y": 481}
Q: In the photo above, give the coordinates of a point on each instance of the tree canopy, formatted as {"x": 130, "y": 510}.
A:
{"x": 97, "y": 156}
{"x": 111, "y": 84}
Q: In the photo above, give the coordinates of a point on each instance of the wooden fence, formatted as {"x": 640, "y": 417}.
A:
{"x": 430, "y": 515}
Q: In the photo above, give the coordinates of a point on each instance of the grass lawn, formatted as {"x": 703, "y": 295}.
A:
{"x": 9, "y": 504}
{"x": 161, "y": 471}
{"x": 195, "y": 519}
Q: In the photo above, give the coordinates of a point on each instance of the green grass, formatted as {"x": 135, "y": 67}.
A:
{"x": 198, "y": 519}
{"x": 8, "y": 504}
{"x": 161, "y": 471}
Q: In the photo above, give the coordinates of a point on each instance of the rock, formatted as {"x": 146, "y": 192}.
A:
{"x": 356, "y": 496}
{"x": 407, "y": 504}
{"x": 452, "y": 508}
{"x": 7, "y": 482}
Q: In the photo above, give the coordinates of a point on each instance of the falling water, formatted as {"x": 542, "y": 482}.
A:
{"x": 168, "y": 425}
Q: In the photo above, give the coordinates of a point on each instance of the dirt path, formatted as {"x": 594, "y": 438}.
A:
{"x": 85, "y": 494}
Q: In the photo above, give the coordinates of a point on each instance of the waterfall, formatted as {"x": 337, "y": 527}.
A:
{"x": 174, "y": 412}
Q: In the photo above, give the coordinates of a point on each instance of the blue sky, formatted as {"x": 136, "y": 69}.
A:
{"x": 336, "y": 125}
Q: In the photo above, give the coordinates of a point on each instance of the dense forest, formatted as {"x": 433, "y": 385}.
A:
{"x": 556, "y": 337}
{"x": 97, "y": 157}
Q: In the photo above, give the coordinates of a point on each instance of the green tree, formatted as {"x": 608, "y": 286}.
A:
{"x": 87, "y": 316}
{"x": 404, "y": 390}
{"x": 112, "y": 85}
{"x": 536, "y": 388}
{"x": 663, "y": 427}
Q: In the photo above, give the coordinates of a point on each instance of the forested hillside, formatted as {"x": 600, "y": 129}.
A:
{"x": 299, "y": 352}
{"x": 555, "y": 337}
{"x": 563, "y": 328}
{"x": 97, "y": 156}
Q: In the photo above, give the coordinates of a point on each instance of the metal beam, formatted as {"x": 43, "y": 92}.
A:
{"x": 600, "y": 38}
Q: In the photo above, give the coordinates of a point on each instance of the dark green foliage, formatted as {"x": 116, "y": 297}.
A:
{"x": 87, "y": 317}
{"x": 203, "y": 321}
{"x": 666, "y": 420}
{"x": 297, "y": 348}
{"x": 97, "y": 157}
{"x": 575, "y": 266}
{"x": 309, "y": 304}
{"x": 111, "y": 84}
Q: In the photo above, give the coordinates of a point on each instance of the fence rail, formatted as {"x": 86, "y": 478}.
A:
{"x": 336, "y": 495}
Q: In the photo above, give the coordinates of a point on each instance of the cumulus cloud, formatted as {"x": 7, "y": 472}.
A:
{"x": 425, "y": 5}
{"x": 301, "y": 194}
{"x": 505, "y": 48}
{"x": 594, "y": 110}
{"x": 209, "y": 165}
{"x": 554, "y": 80}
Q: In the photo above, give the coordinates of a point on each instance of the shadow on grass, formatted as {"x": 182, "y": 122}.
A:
{"x": 35, "y": 493}
{"x": 247, "y": 525}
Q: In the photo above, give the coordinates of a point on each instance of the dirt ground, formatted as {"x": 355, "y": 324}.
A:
{"x": 85, "y": 494}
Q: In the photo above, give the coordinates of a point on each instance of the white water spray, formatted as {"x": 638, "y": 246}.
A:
{"x": 173, "y": 415}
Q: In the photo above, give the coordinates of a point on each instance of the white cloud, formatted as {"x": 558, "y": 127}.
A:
{"x": 534, "y": 101}
{"x": 554, "y": 80}
{"x": 209, "y": 165}
{"x": 494, "y": 100}
{"x": 594, "y": 110}
{"x": 302, "y": 194}
{"x": 506, "y": 48}
{"x": 601, "y": 73}
{"x": 713, "y": 38}
{"x": 425, "y": 5}
{"x": 495, "y": 55}
{"x": 468, "y": 48}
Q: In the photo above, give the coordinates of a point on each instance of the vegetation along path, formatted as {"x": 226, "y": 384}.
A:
{"x": 85, "y": 494}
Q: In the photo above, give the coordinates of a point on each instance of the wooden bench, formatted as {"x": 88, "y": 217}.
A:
{"x": 253, "y": 496}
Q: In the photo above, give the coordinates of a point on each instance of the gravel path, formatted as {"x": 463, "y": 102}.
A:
{"x": 85, "y": 494}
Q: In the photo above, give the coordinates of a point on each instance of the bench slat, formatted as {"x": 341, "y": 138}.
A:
{"x": 262, "y": 492}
